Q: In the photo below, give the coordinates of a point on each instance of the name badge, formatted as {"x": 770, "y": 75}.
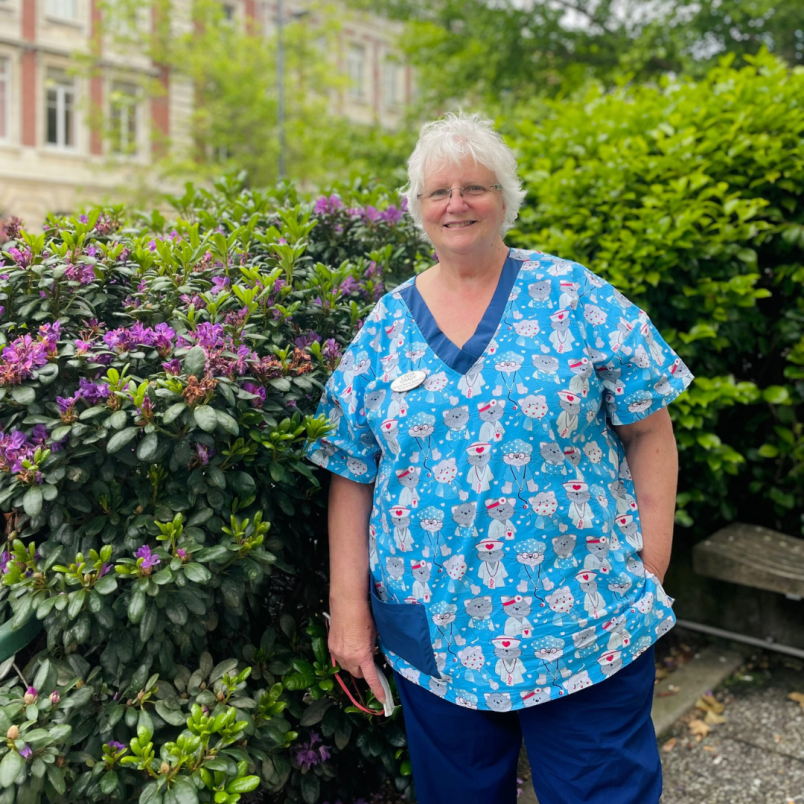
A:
{"x": 409, "y": 381}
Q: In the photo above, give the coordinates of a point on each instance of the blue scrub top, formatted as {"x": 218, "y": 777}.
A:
{"x": 504, "y": 535}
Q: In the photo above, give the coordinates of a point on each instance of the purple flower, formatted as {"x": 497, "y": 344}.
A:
{"x": 5, "y": 557}
{"x": 371, "y": 213}
{"x": 2, "y": 309}
{"x": 181, "y": 553}
{"x": 26, "y": 752}
{"x": 331, "y": 349}
{"x": 258, "y": 391}
{"x": 92, "y": 392}
{"x": 304, "y": 340}
{"x": 325, "y": 205}
{"x": 348, "y": 286}
{"x": 209, "y": 336}
{"x": 82, "y": 347}
{"x": 21, "y": 257}
{"x": 392, "y": 215}
{"x": 149, "y": 558}
{"x": 203, "y": 453}
{"x": 308, "y": 755}
{"x": 39, "y": 435}
{"x": 21, "y": 358}
{"x": 66, "y": 404}
{"x": 163, "y": 337}
{"x": 83, "y": 218}
{"x": 219, "y": 283}
{"x": 172, "y": 366}
{"x": 115, "y": 746}
{"x": 104, "y": 570}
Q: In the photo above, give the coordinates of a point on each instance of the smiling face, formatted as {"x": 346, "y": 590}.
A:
{"x": 461, "y": 225}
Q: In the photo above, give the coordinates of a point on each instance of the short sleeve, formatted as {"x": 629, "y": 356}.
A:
{"x": 639, "y": 372}
{"x": 350, "y": 450}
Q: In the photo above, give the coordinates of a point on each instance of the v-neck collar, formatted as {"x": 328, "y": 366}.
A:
{"x": 461, "y": 359}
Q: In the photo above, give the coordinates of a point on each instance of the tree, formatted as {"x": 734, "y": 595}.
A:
{"x": 233, "y": 73}
{"x": 500, "y": 53}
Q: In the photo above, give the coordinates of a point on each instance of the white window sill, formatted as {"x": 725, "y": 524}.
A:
{"x": 77, "y": 24}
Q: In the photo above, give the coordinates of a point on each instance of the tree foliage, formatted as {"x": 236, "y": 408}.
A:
{"x": 689, "y": 197}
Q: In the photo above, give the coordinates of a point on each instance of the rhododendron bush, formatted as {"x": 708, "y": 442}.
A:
{"x": 158, "y": 383}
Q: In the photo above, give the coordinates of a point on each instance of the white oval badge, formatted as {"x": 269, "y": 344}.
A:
{"x": 413, "y": 379}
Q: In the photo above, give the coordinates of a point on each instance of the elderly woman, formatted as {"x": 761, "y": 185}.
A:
{"x": 501, "y": 508}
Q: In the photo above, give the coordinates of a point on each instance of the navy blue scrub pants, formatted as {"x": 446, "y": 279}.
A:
{"x": 596, "y": 746}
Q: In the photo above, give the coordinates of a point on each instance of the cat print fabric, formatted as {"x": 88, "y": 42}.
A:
{"x": 504, "y": 508}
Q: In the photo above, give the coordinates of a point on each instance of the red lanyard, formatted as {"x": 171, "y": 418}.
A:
{"x": 360, "y": 705}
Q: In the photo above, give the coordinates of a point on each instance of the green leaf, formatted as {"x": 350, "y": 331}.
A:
{"x": 147, "y": 448}
{"x": 55, "y": 776}
{"x": 136, "y": 606}
{"x": 105, "y": 585}
{"x": 245, "y": 784}
{"x": 173, "y": 412}
{"x": 217, "y": 553}
{"x": 206, "y": 418}
{"x": 118, "y": 419}
{"x": 76, "y": 603}
{"x": 197, "y": 573}
{"x": 183, "y": 792}
{"x": 776, "y": 395}
{"x": 23, "y": 395}
{"x": 313, "y": 713}
{"x": 194, "y": 362}
{"x": 310, "y": 788}
{"x": 11, "y": 765}
{"x": 32, "y": 501}
{"x": 108, "y": 782}
{"x": 145, "y": 721}
{"x": 768, "y": 451}
{"x": 227, "y": 422}
{"x": 119, "y": 440}
{"x": 173, "y": 716}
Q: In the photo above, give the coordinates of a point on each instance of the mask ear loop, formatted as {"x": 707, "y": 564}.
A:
{"x": 388, "y": 706}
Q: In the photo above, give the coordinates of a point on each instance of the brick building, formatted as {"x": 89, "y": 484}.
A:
{"x": 52, "y": 153}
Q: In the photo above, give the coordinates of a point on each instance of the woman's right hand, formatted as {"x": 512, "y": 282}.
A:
{"x": 352, "y": 638}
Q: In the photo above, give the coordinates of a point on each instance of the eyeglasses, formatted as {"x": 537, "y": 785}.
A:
{"x": 470, "y": 191}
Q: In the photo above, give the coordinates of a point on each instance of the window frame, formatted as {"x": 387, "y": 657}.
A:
{"x": 132, "y": 147}
{"x": 54, "y": 9}
{"x": 6, "y": 83}
{"x": 63, "y": 105}
{"x": 358, "y": 91}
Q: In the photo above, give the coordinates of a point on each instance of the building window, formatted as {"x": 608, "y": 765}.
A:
{"x": 62, "y": 9}
{"x": 5, "y": 98}
{"x": 355, "y": 64}
{"x": 60, "y": 116}
{"x": 229, "y": 13}
{"x": 123, "y": 135}
{"x": 390, "y": 84}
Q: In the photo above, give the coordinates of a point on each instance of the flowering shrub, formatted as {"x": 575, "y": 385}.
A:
{"x": 157, "y": 387}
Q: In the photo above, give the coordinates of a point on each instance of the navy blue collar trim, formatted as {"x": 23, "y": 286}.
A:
{"x": 462, "y": 359}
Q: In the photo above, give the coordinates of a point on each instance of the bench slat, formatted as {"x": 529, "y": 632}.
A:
{"x": 753, "y": 556}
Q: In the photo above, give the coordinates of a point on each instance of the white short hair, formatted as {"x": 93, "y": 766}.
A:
{"x": 450, "y": 140}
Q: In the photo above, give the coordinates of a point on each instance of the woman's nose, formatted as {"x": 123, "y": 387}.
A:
{"x": 456, "y": 201}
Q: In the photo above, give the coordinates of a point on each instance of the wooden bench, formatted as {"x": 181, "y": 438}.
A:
{"x": 753, "y": 556}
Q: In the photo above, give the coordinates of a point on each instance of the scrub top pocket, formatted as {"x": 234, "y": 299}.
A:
{"x": 403, "y": 630}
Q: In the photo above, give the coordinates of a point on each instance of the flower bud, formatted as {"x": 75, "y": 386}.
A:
{"x": 79, "y": 683}
{"x": 30, "y": 696}
{"x": 54, "y": 697}
{"x": 13, "y": 733}
{"x": 164, "y": 768}
{"x": 220, "y": 696}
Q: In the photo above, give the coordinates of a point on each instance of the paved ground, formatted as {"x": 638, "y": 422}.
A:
{"x": 755, "y": 756}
